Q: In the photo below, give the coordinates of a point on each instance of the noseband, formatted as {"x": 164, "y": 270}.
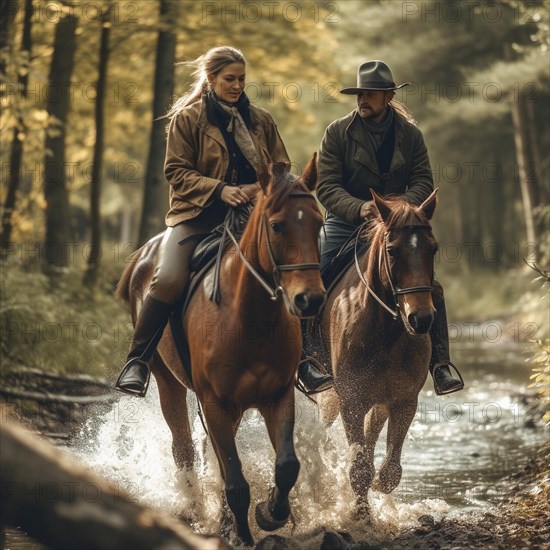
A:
{"x": 277, "y": 268}
{"x": 396, "y": 291}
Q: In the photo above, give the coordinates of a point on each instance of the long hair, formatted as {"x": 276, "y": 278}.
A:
{"x": 210, "y": 63}
{"x": 400, "y": 109}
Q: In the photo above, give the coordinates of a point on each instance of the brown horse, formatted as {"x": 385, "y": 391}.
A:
{"x": 375, "y": 325}
{"x": 245, "y": 350}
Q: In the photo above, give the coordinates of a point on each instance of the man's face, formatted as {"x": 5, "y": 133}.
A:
{"x": 372, "y": 104}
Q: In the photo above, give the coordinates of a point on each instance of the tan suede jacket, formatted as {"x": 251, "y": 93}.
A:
{"x": 197, "y": 158}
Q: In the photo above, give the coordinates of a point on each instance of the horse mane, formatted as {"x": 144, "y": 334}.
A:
{"x": 280, "y": 188}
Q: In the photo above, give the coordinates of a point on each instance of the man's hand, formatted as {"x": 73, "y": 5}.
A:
{"x": 368, "y": 210}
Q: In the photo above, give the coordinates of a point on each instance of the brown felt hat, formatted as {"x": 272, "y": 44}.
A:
{"x": 373, "y": 75}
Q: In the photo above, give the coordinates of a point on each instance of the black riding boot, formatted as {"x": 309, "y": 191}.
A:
{"x": 134, "y": 378}
{"x": 310, "y": 378}
{"x": 440, "y": 364}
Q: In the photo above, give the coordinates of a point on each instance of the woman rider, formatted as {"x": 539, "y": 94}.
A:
{"x": 217, "y": 142}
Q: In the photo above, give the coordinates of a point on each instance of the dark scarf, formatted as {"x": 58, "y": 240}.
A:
{"x": 382, "y": 139}
{"x": 377, "y": 132}
{"x": 217, "y": 115}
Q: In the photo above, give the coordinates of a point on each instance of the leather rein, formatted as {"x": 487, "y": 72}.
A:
{"x": 278, "y": 290}
{"x": 396, "y": 291}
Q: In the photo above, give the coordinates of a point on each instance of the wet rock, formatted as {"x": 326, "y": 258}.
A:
{"x": 482, "y": 535}
{"x": 332, "y": 540}
{"x": 276, "y": 542}
{"x": 426, "y": 520}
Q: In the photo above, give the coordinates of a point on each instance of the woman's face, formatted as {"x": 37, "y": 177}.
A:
{"x": 228, "y": 84}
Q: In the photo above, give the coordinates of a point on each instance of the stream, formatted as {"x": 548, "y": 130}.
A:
{"x": 457, "y": 449}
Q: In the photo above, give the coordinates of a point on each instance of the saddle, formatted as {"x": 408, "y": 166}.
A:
{"x": 345, "y": 257}
{"x": 314, "y": 344}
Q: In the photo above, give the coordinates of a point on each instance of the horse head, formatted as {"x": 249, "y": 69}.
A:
{"x": 289, "y": 240}
{"x": 406, "y": 250}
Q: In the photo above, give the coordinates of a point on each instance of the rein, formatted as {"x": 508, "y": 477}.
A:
{"x": 278, "y": 290}
{"x": 395, "y": 291}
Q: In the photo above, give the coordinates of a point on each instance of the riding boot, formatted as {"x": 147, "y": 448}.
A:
{"x": 134, "y": 378}
{"x": 440, "y": 364}
{"x": 310, "y": 378}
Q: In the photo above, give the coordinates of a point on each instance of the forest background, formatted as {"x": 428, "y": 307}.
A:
{"x": 84, "y": 86}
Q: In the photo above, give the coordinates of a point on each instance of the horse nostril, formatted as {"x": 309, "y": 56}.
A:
{"x": 420, "y": 323}
{"x": 301, "y": 301}
{"x": 316, "y": 301}
{"x": 412, "y": 320}
{"x": 309, "y": 303}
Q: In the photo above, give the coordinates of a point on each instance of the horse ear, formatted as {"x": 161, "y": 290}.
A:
{"x": 428, "y": 206}
{"x": 264, "y": 176}
{"x": 310, "y": 174}
{"x": 381, "y": 205}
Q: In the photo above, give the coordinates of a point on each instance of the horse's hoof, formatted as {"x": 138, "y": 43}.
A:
{"x": 265, "y": 520}
{"x": 361, "y": 512}
{"x": 388, "y": 478}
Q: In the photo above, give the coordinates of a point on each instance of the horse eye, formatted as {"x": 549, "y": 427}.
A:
{"x": 277, "y": 227}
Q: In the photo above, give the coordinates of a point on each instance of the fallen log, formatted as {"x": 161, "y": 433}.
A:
{"x": 57, "y": 501}
{"x": 47, "y": 397}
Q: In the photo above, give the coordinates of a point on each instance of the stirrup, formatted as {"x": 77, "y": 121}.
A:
{"x": 451, "y": 390}
{"x": 301, "y": 386}
{"x": 132, "y": 391}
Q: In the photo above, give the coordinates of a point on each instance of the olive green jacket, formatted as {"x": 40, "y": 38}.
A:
{"x": 197, "y": 158}
{"x": 348, "y": 169}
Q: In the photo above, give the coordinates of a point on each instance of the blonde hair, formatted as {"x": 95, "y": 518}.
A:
{"x": 210, "y": 63}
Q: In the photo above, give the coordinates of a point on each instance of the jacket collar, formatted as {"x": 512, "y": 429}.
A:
{"x": 356, "y": 130}
{"x": 215, "y": 133}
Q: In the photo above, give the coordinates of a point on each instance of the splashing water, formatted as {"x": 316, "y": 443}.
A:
{"x": 131, "y": 446}
{"x": 456, "y": 448}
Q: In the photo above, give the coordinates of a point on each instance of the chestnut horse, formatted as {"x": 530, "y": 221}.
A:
{"x": 244, "y": 351}
{"x": 375, "y": 325}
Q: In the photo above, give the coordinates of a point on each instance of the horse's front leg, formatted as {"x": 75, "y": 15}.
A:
{"x": 400, "y": 418}
{"x": 363, "y": 425}
{"x": 279, "y": 418}
{"x": 222, "y": 426}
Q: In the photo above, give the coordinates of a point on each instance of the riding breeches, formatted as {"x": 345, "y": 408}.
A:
{"x": 172, "y": 273}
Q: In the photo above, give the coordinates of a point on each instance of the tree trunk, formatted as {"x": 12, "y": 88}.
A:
{"x": 54, "y": 499}
{"x": 8, "y": 11}
{"x": 155, "y": 196}
{"x": 55, "y": 187}
{"x": 90, "y": 276}
{"x": 522, "y": 158}
{"x": 19, "y": 131}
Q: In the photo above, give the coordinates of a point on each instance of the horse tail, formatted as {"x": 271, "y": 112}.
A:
{"x": 144, "y": 258}
{"x": 123, "y": 286}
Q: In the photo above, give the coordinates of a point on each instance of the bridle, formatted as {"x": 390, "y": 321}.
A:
{"x": 277, "y": 290}
{"x": 396, "y": 291}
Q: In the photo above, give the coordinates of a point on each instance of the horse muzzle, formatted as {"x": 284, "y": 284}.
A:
{"x": 418, "y": 323}
{"x": 307, "y": 304}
